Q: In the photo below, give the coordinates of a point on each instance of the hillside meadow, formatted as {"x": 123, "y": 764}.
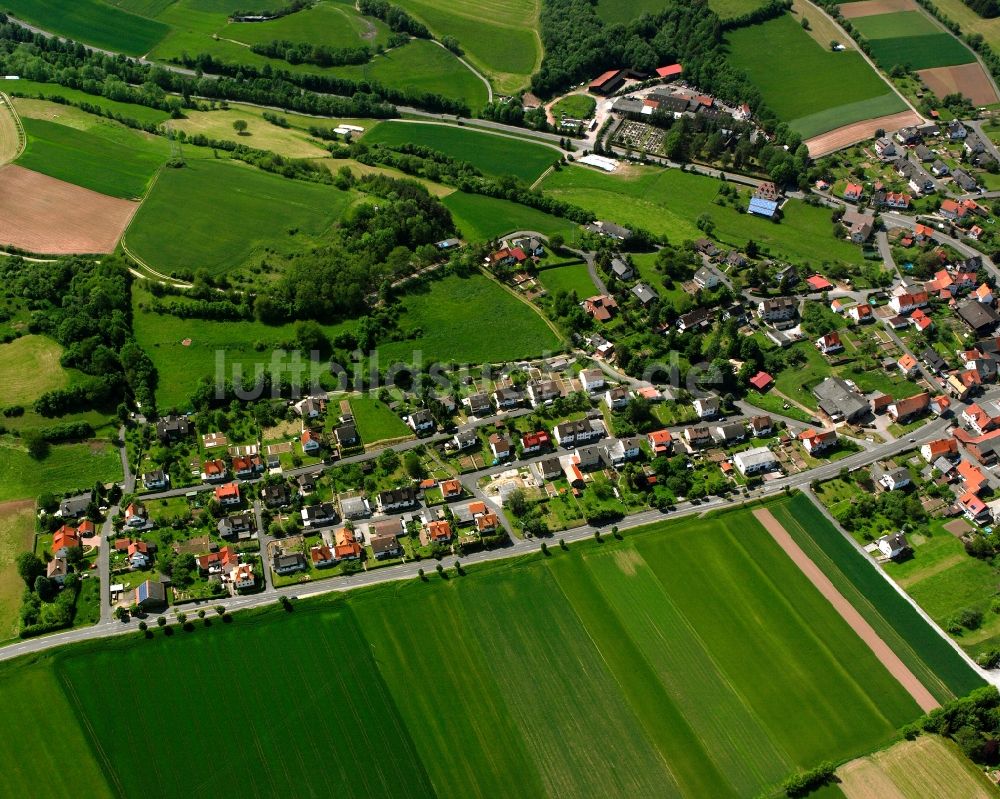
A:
{"x": 99, "y": 155}
{"x": 669, "y": 202}
{"x": 215, "y": 214}
{"x": 627, "y": 684}
{"x": 480, "y": 218}
{"x": 488, "y": 152}
{"x": 825, "y": 90}
{"x": 67, "y": 467}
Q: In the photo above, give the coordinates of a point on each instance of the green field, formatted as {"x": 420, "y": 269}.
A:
{"x": 106, "y": 158}
{"x": 376, "y": 421}
{"x": 29, "y": 366}
{"x": 17, "y": 531}
{"x": 92, "y": 22}
{"x": 497, "y": 36}
{"x": 214, "y": 215}
{"x": 899, "y": 24}
{"x": 970, "y": 21}
{"x": 547, "y": 656}
{"x": 334, "y": 24}
{"x": 571, "y": 277}
{"x": 458, "y": 319}
{"x": 921, "y": 52}
{"x": 575, "y": 106}
{"x": 30, "y": 88}
{"x": 825, "y": 88}
{"x": 479, "y": 218}
{"x": 243, "y": 344}
{"x": 491, "y": 154}
{"x": 669, "y": 201}
{"x": 922, "y": 649}
{"x": 67, "y": 467}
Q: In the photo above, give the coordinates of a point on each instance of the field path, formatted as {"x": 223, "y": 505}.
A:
{"x": 857, "y": 622}
{"x": 12, "y": 138}
{"x": 472, "y": 69}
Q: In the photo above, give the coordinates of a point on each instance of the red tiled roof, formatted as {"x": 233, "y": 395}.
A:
{"x": 669, "y": 71}
{"x": 761, "y": 380}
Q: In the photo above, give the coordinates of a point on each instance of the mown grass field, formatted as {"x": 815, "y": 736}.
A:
{"x": 570, "y": 277}
{"x": 214, "y": 215}
{"x": 376, "y": 421}
{"x": 29, "y": 366}
{"x": 479, "y": 218}
{"x": 497, "y": 36}
{"x": 491, "y": 154}
{"x": 627, "y": 684}
{"x": 825, "y": 89}
{"x": 106, "y": 157}
{"x": 458, "y": 319}
{"x": 30, "y": 88}
{"x": 926, "y": 653}
{"x": 93, "y": 22}
{"x": 17, "y": 529}
{"x": 575, "y": 106}
{"x": 293, "y": 141}
{"x": 899, "y": 24}
{"x": 927, "y": 766}
{"x": 334, "y": 24}
{"x": 67, "y": 467}
{"x": 669, "y": 202}
{"x": 970, "y": 21}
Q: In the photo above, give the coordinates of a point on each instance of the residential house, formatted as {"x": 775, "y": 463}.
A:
{"x": 895, "y": 479}
{"x": 923, "y": 153}
{"x": 57, "y": 569}
{"x": 616, "y": 398}
{"x": 63, "y": 540}
{"x": 861, "y": 313}
{"x": 569, "y": 434}
{"x": 761, "y": 426}
{"x": 214, "y": 471}
{"x": 228, "y": 494}
{"x": 983, "y": 294}
{"x": 275, "y": 494}
{"x": 762, "y": 381}
{"x": 956, "y": 130}
{"x": 435, "y": 532}
{"x": 549, "y": 468}
{"x": 346, "y": 545}
{"x": 982, "y": 418}
{"x": 884, "y": 148}
{"x": 779, "y": 309}
{"x": 421, "y": 422}
{"x": 906, "y": 301}
{"x": 601, "y": 307}
{"x": 904, "y": 410}
{"x": 310, "y": 407}
{"x": 589, "y": 458}
{"x": 156, "y": 479}
{"x": 242, "y": 577}
{"x": 318, "y": 515}
{"x": 136, "y": 515}
{"x": 974, "y": 509}
{"x": 697, "y": 436}
{"x": 506, "y": 398}
{"x": 172, "y": 428}
{"x": 940, "y": 169}
{"x": 661, "y": 442}
{"x": 384, "y": 541}
{"x": 501, "y": 447}
{"x": 816, "y": 442}
{"x": 706, "y": 278}
{"x": 622, "y": 269}
{"x": 541, "y": 391}
{"x": 238, "y": 525}
{"x": 396, "y": 499}
{"x": 908, "y": 135}
{"x": 978, "y": 317}
{"x": 247, "y": 467}
{"x": 941, "y": 447}
{"x": 707, "y": 407}
{"x": 347, "y": 435}
{"x": 964, "y": 180}
{"x": 74, "y": 507}
{"x": 908, "y": 365}
{"x": 306, "y": 484}
{"x": 829, "y": 343}
{"x": 840, "y": 400}
{"x": 479, "y": 404}
{"x": 622, "y": 450}
{"x": 692, "y": 320}
{"x": 150, "y": 595}
{"x": 592, "y": 380}
{"x": 755, "y": 461}
{"x": 645, "y": 294}
{"x": 893, "y": 545}
{"x": 609, "y": 229}
{"x": 354, "y": 507}
{"x": 533, "y": 443}
{"x": 853, "y": 191}
{"x": 138, "y": 555}
{"x": 288, "y": 562}
{"x": 311, "y": 442}
{"x": 322, "y": 556}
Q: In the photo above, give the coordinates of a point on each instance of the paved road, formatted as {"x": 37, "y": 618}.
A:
{"x": 264, "y": 539}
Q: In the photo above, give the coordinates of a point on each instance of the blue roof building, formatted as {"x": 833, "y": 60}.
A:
{"x": 766, "y": 208}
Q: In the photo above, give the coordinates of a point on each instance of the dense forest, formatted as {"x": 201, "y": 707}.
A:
{"x": 985, "y": 8}
{"x": 85, "y": 306}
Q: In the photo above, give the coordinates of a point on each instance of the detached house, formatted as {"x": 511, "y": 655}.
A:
{"x": 816, "y": 442}
{"x": 541, "y": 391}
{"x": 906, "y": 301}
{"x": 982, "y": 418}
{"x": 707, "y": 407}
{"x": 421, "y": 422}
{"x": 830, "y": 343}
{"x": 228, "y": 494}
{"x": 573, "y": 433}
{"x": 779, "y": 309}
{"x": 396, "y": 499}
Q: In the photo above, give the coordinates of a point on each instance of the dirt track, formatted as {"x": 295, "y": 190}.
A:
{"x": 839, "y": 138}
{"x": 886, "y": 656}
{"x": 45, "y": 215}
